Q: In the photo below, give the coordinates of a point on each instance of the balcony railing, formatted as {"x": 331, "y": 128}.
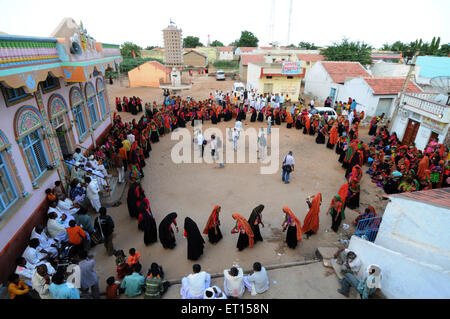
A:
{"x": 18, "y": 51}
{"x": 431, "y": 107}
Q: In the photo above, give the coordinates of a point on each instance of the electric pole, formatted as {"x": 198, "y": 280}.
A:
{"x": 405, "y": 85}
{"x": 289, "y": 25}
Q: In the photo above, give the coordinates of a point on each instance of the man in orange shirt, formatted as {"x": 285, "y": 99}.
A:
{"x": 76, "y": 236}
{"x": 124, "y": 156}
{"x": 17, "y": 289}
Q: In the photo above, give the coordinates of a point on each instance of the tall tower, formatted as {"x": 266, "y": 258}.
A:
{"x": 271, "y": 22}
{"x": 289, "y": 24}
{"x": 173, "y": 46}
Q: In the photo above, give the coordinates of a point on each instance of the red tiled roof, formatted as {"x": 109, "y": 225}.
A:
{"x": 339, "y": 71}
{"x": 437, "y": 197}
{"x": 247, "y": 49}
{"x": 310, "y": 57}
{"x": 199, "y": 53}
{"x": 252, "y": 58}
{"x": 159, "y": 66}
{"x": 390, "y": 86}
{"x": 227, "y": 49}
{"x": 266, "y": 48}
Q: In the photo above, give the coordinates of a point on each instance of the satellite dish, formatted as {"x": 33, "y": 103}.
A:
{"x": 76, "y": 49}
{"x": 442, "y": 85}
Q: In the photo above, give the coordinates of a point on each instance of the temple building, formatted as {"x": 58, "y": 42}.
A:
{"x": 53, "y": 99}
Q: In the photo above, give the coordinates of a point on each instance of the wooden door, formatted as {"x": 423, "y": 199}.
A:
{"x": 410, "y": 132}
{"x": 433, "y": 135}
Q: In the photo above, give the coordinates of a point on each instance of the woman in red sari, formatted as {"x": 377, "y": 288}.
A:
{"x": 212, "y": 226}
{"x": 311, "y": 221}
{"x": 336, "y": 210}
{"x": 332, "y": 140}
{"x": 245, "y": 232}
{"x": 293, "y": 226}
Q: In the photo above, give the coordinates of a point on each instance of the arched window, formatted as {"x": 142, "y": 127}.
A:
{"x": 29, "y": 134}
{"x": 101, "y": 96}
{"x": 77, "y": 104}
{"x": 90, "y": 99}
{"x": 8, "y": 193}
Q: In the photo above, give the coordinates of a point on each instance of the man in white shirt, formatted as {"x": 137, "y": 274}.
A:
{"x": 33, "y": 255}
{"x": 311, "y": 103}
{"x": 41, "y": 282}
{"x": 262, "y": 142}
{"x": 194, "y": 285}
{"x": 288, "y": 167}
{"x": 53, "y": 208}
{"x": 235, "y": 138}
{"x": 281, "y": 100}
{"x": 213, "y": 145}
{"x": 56, "y": 229}
{"x": 269, "y": 124}
{"x": 258, "y": 282}
{"x": 233, "y": 283}
{"x": 66, "y": 206}
{"x": 92, "y": 191}
{"x": 238, "y": 126}
{"x": 46, "y": 243}
{"x": 200, "y": 143}
{"x": 78, "y": 157}
{"x": 131, "y": 138}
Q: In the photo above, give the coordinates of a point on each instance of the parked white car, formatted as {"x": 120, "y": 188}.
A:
{"x": 220, "y": 75}
{"x": 322, "y": 110}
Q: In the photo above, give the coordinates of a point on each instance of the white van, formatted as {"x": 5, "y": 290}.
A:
{"x": 220, "y": 75}
{"x": 238, "y": 88}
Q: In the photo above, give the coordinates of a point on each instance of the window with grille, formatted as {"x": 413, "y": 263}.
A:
{"x": 91, "y": 106}
{"x": 101, "y": 100}
{"x": 33, "y": 149}
{"x": 49, "y": 83}
{"x": 8, "y": 194}
{"x": 79, "y": 119}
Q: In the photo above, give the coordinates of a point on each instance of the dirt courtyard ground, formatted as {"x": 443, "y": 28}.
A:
{"x": 193, "y": 190}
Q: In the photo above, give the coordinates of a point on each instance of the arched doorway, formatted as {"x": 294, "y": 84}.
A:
{"x": 57, "y": 109}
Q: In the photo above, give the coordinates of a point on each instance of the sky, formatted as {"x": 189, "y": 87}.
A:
{"x": 320, "y": 22}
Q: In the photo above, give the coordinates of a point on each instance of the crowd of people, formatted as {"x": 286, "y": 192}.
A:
{"x": 70, "y": 231}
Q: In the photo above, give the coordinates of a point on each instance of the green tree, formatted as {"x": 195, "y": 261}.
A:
{"x": 150, "y": 47}
{"x": 191, "y": 42}
{"x": 307, "y": 46}
{"x": 247, "y": 39}
{"x": 444, "y": 50}
{"x": 349, "y": 51}
{"x": 217, "y": 43}
{"x": 127, "y": 48}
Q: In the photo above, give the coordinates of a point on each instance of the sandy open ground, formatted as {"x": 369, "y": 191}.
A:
{"x": 193, "y": 190}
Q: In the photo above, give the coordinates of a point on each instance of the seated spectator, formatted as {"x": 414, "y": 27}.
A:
{"x": 33, "y": 255}
{"x": 121, "y": 263}
{"x": 17, "y": 289}
{"x": 134, "y": 257}
{"x": 112, "y": 289}
{"x": 45, "y": 243}
{"x": 56, "y": 229}
{"x": 24, "y": 270}
{"x": 214, "y": 292}
{"x": 155, "y": 267}
{"x": 77, "y": 192}
{"x": 365, "y": 287}
{"x": 77, "y": 237}
{"x": 233, "y": 284}
{"x": 134, "y": 283}
{"x": 194, "y": 285}
{"x": 258, "y": 282}
{"x": 349, "y": 261}
{"x": 41, "y": 282}
{"x": 51, "y": 197}
{"x": 66, "y": 206}
{"x": 60, "y": 289}
{"x": 155, "y": 288}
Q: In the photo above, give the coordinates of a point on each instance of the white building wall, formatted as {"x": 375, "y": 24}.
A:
{"x": 386, "y": 69}
{"x": 402, "y": 277}
{"x": 253, "y": 74}
{"x": 226, "y": 55}
{"x": 318, "y": 83}
{"x": 418, "y": 230}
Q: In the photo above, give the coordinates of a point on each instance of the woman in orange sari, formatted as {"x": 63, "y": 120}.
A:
{"x": 336, "y": 210}
{"x": 289, "y": 120}
{"x": 424, "y": 164}
{"x": 293, "y": 226}
{"x": 212, "y": 226}
{"x": 245, "y": 232}
{"x": 307, "y": 125}
{"x": 311, "y": 222}
{"x": 332, "y": 140}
